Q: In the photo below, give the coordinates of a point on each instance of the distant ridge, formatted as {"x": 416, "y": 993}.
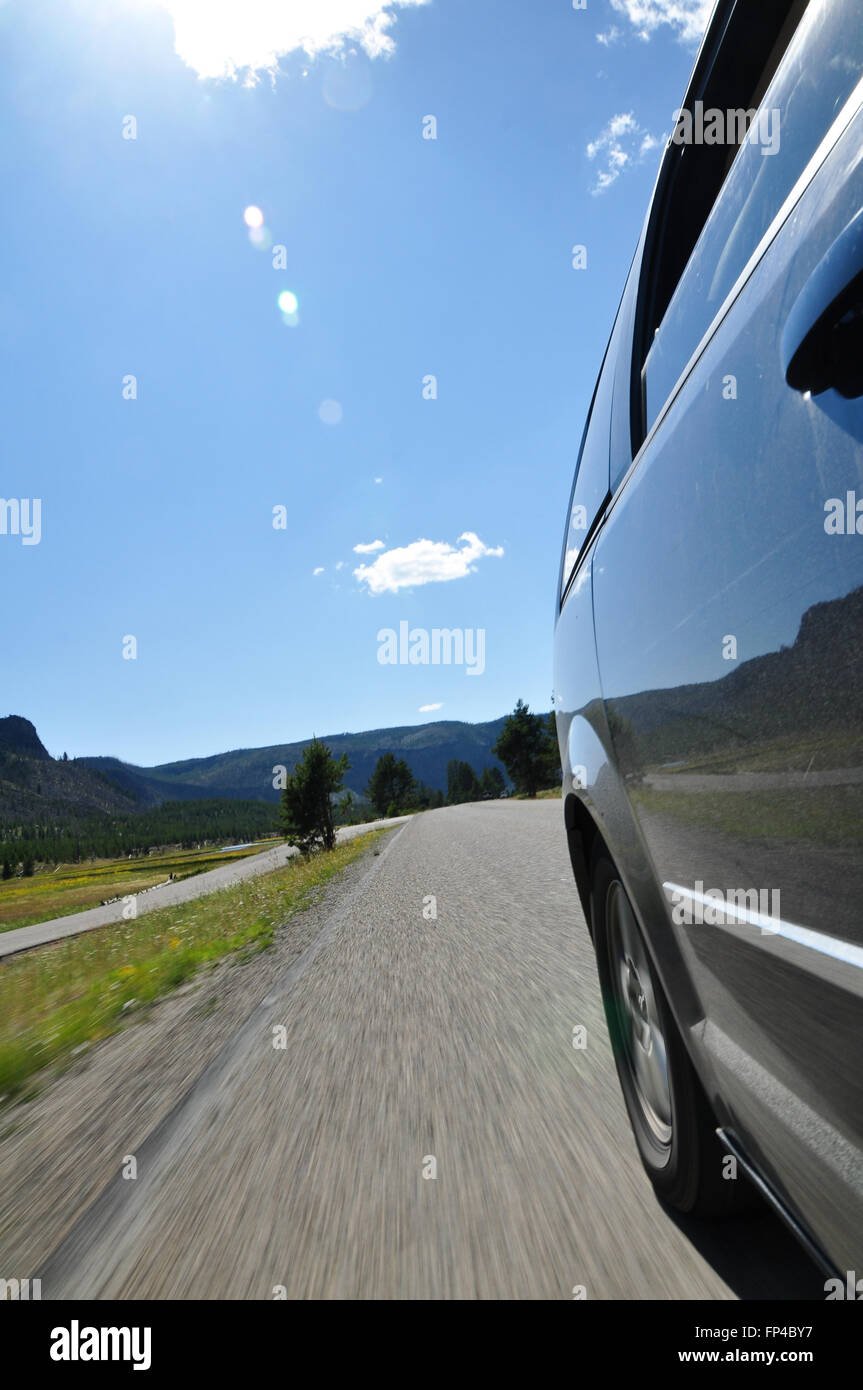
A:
{"x": 19, "y": 736}
{"x": 34, "y": 786}
{"x": 248, "y": 773}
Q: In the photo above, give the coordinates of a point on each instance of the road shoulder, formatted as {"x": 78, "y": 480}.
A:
{"x": 59, "y": 1150}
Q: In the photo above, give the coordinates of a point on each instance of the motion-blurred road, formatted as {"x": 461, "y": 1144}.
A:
{"x": 411, "y": 1044}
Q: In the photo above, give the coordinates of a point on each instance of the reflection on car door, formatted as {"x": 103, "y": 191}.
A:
{"x": 728, "y": 592}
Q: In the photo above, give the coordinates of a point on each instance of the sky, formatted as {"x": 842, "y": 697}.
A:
{"x": 295, "y": 351}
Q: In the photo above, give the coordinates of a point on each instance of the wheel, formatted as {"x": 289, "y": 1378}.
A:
{"x": 671, "y": 1118}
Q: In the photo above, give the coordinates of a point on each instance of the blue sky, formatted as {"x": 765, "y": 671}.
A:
{"x": 408, "y": 257}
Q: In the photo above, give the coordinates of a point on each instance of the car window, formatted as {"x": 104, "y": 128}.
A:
{"x": 823, "y": 64}
{"x": 590, "y": 488}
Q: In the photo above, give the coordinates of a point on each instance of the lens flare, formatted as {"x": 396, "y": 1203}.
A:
{"x": 288, "y": 302}
{"x": 253, "y": 217}
{"x": 348, "y": 86}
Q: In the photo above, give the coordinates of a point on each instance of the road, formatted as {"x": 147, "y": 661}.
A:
{"x": 181, "y": 890}
{"x": 299, "y": 1169}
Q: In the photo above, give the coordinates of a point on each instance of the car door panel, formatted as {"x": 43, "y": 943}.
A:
{"x": 729, "y": 628}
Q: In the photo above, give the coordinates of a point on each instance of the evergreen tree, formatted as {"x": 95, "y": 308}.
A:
{"x": 307, "y": 808}
{"x": 522, "y": 747}
{"x": 552, "y": 772}
{"x": 7, "y": 868}
{"x": 462, "y": 783}
{"x": 492, "y": 782}
{"x": 391, "y": 785}
{"x": 426, "y": 798}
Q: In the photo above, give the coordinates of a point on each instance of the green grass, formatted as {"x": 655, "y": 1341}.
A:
{"x": 76, "y": 887}
{"x": 800, "y": 753}
{"x": 550, "y": 794}
{"x": 831, "y": 816}
{"x": 73, "y": 992}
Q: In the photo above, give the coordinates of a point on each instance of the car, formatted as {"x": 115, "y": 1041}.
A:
{"x": 708, "y": 643}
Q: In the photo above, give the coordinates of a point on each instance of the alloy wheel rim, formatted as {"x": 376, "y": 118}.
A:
{"x": 642, "y": 1036}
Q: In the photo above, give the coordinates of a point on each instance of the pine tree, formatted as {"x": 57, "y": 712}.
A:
{"x": 462, "y": 783}
{"x": 391, "y": 785}
{"x": 522, "y": 747}
{"x": 492, "y": 782}
{"x": 307, "y": 808}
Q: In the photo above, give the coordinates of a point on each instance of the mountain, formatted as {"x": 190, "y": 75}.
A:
{"x": 36, "y": 787}
{"x": 140, "y": 785}
{"x": 811, "y": 687}
{"x": 249, "y": 772}
{"x": 19, "y": 737}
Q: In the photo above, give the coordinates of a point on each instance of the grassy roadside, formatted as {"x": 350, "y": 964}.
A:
{"x": 832, "y": 816}
{"x": 62, "y": 996}
{"x": 825, "y": 749}
{"x": 76, "y": 887}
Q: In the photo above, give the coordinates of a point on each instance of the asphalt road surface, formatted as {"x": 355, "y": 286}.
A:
{"x": 413, "y": 1045}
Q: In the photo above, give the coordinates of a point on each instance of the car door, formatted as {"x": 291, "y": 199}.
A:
{"x": 728, "y": 603}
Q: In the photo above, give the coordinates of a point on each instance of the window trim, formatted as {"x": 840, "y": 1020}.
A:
{"x": 727, "y": 27}
{"x": 561, "y": 591}
{"x": 658, "y": 215}
{"x": 596, "y": 526}
{"x": 842, "y": 121}
{"x": 852, "y": 108}
{"x": 796, "y": 13}
{"x": 596, "y": 521}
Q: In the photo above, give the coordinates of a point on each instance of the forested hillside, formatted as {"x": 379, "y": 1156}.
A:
{"x": 56, "y": 809}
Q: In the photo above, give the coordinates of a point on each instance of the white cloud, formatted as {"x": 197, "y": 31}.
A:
{"x": 340, "y": 564}
{"x": 368, "y": 549}
{"x": 427, "y": 709}
{"x": 621, "y": 145}
{"x": 688, "y": 17}
{"x": 222, "y": 38}
{"x": 424, "y": 562}
{"x": 319, "y": 570}
{"x": 378, "y": 480}
{"x": 610, "y": 36}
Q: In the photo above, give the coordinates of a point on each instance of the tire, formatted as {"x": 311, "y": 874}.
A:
{"x": 671, "y": 1118}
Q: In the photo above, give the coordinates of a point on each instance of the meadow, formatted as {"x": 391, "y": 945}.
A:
{"x": 75, "y": 887}
{"x": 59, "y": 998}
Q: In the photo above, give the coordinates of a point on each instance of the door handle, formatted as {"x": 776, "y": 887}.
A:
{"x": 822, "y": 344}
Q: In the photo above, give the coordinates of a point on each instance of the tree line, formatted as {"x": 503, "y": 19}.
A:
{"x": 108, "y": 835}
{"x": 527, "y": 747}
{"x": 309, "y": 809}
